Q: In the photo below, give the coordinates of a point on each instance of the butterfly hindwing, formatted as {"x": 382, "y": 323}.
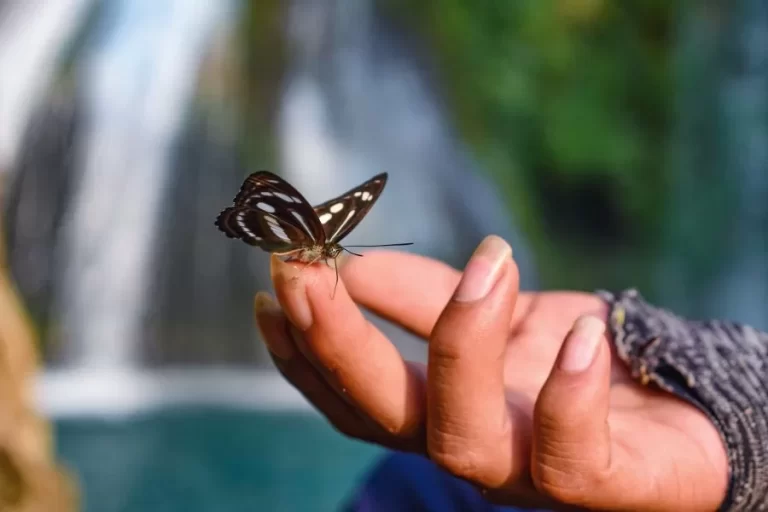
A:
{"x": 270, "y": 213}
{"x": 339, "y": 216}
{"x": 262, "y": 229}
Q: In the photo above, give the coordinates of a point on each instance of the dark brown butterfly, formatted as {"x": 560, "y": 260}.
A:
{"x": 270, "y": 213}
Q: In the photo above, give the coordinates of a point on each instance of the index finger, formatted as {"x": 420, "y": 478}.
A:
{"x": 361, "y": 362}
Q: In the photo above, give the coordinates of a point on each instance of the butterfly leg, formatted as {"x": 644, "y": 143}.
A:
{"x": 336, "y": 268}
{"x": 290, "y": 255}
{"x": 310, "y": 263}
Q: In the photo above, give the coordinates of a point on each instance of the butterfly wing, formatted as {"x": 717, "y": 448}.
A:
{"x": 260, "y": 229}
{"x": 339, "y": 216}
{"x": 269, "y": 213}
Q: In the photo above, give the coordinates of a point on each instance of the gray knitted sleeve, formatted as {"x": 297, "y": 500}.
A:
{"x": 719, "y": 367}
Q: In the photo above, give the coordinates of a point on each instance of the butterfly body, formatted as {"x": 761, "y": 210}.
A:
{"x": 271, "y": 214}
{"x": 315, "y": 253}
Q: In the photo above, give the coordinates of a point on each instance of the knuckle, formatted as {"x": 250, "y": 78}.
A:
{"x": 467, "y": 465}
{"x": 452, "y": 339}
{"x": 559, "y": 485}
{"x": 460, "y": 457}
{"x": 568, "y": 480}
{"x": 444, "y": 355}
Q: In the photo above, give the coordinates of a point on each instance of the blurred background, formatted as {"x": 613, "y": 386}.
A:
{"x": 613, "y": 144}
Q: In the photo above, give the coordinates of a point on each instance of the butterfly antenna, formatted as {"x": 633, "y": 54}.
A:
{"x": 382, "y": 245}
{"x": 353, "y": 253}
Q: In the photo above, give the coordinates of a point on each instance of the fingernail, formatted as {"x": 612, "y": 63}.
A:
{"x": 581, "y": 344}
{"x": 278, "y": 343}
{"x": 294, "y": 296}
{"x": 483, "y": 269}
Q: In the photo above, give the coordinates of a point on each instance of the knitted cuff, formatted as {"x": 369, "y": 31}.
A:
{"x": 719, "y": 367}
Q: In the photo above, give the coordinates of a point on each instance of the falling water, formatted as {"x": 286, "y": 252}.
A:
{"x": 137, "y": 83}
{"x": 140, "y": 275}
{"x": 31, "y": 32}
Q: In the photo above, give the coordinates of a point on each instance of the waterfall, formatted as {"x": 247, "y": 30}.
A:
{"x": 31, "y": 32}
{"x": 140, "y": 277}
{"x": 137, "y": 83}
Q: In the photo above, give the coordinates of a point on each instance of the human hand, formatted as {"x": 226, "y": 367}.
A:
{"x": 522, "y": 395}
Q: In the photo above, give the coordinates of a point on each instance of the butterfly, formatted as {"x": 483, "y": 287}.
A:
{"x": 269, "y": 213}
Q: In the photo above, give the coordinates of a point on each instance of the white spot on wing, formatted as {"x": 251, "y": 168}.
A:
{"x": 265, "y": 207}
{"x": 303, "y": 223}
{"x": 325, "y": 218}
{"x": 337, "y": 207}
{"x": 244, "y": 227}
{"x": 367, "y": 196}
{"x": 279, "y": 232}
{"x": 344, "y": 223}
{"x": 357, "y": 194}
{"x": 284, "y": 197}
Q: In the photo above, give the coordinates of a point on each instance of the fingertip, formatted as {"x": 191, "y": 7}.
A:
{"x": 290, "y": 285}
{"x": 579, "y": 381}
{"x": 484, "y": 269}
{"x": 581, "y": 344}
{"x": 312, "y": 297}
{"x": 282, "y": 271}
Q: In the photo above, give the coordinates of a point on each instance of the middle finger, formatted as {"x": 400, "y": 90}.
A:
{"x": 409, "y": 289}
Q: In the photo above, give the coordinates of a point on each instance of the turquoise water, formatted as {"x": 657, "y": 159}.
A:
{"x": 212, "y": 460}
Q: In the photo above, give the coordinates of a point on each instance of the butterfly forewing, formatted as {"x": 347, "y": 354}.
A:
{"x": 339, "y": 216}
{"x": 269, "y": 213}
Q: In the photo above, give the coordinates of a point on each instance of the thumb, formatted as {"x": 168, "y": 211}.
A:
{"x": 571, "y": 440}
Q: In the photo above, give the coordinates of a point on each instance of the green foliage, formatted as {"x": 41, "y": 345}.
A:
{"x": 563, "y": 98}
{"x": 262, "y": 68}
